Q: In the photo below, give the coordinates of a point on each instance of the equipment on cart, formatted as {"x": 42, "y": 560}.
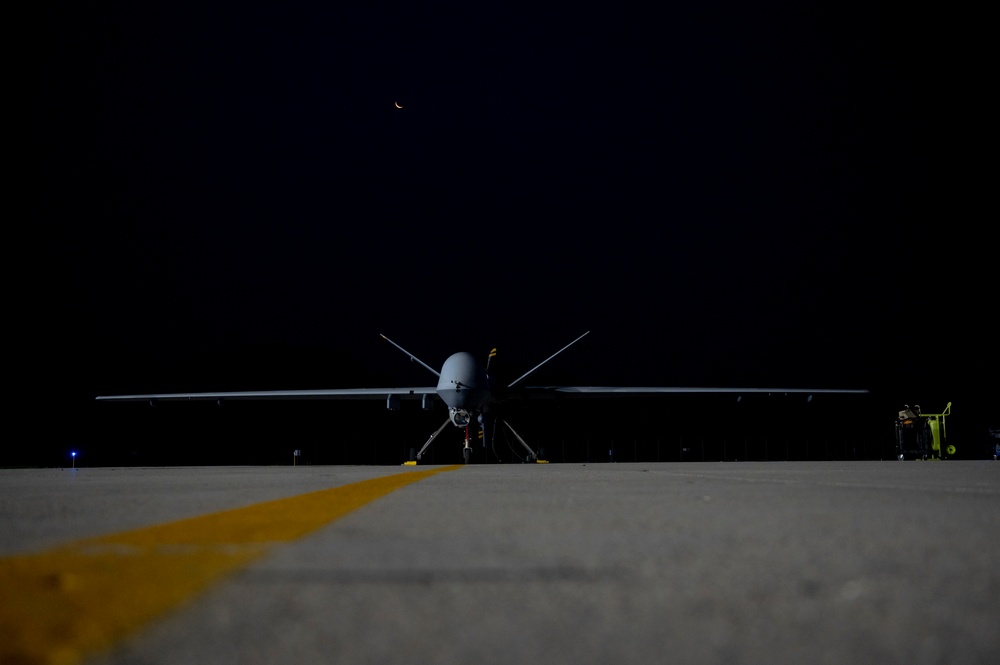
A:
{"x": 922, "y": 435}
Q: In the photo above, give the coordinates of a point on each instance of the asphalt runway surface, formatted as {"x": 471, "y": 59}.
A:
{"x": 748, "y": 562}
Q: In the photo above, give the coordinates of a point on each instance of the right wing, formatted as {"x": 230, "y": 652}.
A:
{"x": 638, "y": 390}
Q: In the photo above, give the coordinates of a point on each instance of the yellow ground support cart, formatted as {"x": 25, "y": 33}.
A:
{"x": 923, "y": 435}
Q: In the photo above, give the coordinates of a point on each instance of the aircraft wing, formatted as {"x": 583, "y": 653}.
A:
{"x": 333, "y": 393}
{"x": 640, "y": 390}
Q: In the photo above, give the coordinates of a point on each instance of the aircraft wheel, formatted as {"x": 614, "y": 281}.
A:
{"x": 466, "y": 454}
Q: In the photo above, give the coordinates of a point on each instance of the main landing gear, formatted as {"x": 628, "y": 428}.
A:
{"x": 467, "y": 447}
{"x": 466, "y": 450}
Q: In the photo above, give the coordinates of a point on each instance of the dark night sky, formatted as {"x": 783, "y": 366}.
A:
{"x": 227, "y": 197}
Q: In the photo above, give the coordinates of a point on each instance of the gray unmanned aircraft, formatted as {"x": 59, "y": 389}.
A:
{"x": 469, "y": 390}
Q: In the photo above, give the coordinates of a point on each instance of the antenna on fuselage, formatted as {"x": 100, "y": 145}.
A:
{"x": 511, "y": 385}
{"x": 412, "y": 357}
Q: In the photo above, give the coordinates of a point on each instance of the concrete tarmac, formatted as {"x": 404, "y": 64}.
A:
{"x": 769, "y": 562}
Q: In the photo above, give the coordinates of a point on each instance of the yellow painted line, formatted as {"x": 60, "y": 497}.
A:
{"x": 60, "y": 605}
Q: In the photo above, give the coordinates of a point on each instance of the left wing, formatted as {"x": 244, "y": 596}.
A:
{"x": 334, "y": 393}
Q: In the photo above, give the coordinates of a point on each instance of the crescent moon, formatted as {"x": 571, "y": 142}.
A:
{"x": 398, "y": 105}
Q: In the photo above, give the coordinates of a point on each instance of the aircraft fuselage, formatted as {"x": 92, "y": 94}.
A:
{"x": 464, "y": 386}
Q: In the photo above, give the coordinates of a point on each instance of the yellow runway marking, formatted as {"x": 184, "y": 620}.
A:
{"x": 57, "y": 606}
